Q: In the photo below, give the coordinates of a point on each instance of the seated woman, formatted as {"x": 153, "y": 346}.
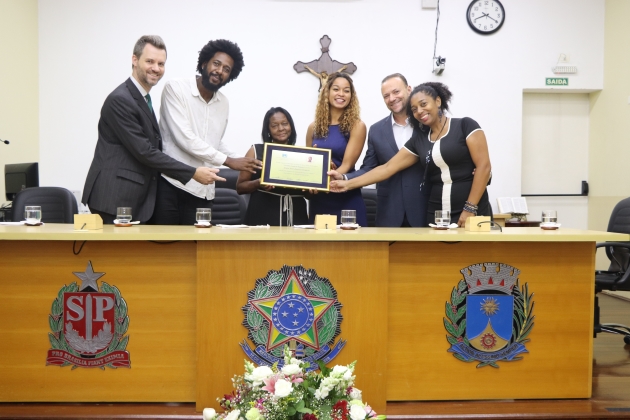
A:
{"x": 269, "y": 205}
{"x": 452, "y": 151}
{"x": 338, "y": 127}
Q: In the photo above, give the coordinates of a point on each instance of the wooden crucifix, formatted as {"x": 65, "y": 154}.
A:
{"x": 324, "y": 66}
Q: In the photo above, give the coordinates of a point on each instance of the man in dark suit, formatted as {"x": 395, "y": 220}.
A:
{"x": 128, "y": 158}
{"x": 399, "y": 201}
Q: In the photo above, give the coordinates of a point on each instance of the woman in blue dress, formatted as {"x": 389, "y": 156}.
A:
{"x": 452, "y": 151}
{"x": 338, "y": 127}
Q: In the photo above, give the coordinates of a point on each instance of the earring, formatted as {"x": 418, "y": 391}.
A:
{"x": 440, "y": 114}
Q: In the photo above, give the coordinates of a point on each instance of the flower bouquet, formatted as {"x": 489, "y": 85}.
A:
{"x": 293, "y": 393}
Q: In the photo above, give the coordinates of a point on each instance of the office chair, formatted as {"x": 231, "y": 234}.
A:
{"x": 617, "y": 277}
{"x": 369, "y": 198}
{"x": 229, "y": 208}
{"x": 230, "y": 175}
{"x": 58, "y": 204}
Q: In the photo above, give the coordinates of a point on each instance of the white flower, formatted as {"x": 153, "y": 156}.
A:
{"x": 339, "y": 370}
{"x": 291, "y": 369}
{"x": 233, "y": 415}
{"x": 209, "y": 413}
{"x": 254, "y": 414}
{"x": 357, "y": 412}
{"x": 282, "y": 388}
{"x": 258, "y": 374}
{"x": 356, "y": 394}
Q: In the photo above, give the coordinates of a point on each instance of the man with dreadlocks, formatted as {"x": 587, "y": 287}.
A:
{"x": 194, "y": 115}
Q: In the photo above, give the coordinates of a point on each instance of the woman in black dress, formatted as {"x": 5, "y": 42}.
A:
{"x": 269, "y": 205}
{"x": 452, "y": 151}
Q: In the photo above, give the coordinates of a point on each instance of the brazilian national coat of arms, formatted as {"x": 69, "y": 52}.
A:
{"x": 88, "y": 325}
{"x": 489, "y": 318}
{"x": 296, "y": 307}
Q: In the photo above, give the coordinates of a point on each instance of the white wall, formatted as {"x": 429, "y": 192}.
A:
{"x": 85, "y": 52}
{"x": 18, "y": 84}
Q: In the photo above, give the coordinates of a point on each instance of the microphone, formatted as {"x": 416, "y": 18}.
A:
{"x": 4, "y": 141}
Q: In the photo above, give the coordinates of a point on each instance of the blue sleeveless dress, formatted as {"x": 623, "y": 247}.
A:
{"x": 333, "y": 203}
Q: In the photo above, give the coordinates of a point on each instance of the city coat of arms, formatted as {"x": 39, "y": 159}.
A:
{"x": 88, "y": 325}
{"x": 489, "y": 318}
{"x": 296, "y": 307}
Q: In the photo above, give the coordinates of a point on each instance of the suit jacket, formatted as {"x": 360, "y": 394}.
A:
{"x": 128, "y": 157}
{"x": 399, "y": 194}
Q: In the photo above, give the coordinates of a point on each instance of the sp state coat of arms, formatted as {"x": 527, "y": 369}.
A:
{"x": 292, "y": 306}
{"x": 88, "y": 325}
{"x": 489, "y": 318}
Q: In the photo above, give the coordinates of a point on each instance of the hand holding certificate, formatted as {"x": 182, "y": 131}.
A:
{"x": 296, "y": 167}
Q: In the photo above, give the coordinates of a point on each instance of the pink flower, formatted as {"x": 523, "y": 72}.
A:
{"x": 270, "y": 384}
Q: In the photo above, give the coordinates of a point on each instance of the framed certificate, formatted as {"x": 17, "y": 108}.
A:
{"x": 296, "y": 167}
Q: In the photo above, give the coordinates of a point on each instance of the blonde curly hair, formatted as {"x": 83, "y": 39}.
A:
{"x": 350, "y": 116}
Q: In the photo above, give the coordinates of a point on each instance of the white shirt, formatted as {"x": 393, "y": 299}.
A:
{"x": 140, "y": 88}
{"x": 192, "y": 130}
{"x": 402, "y": 133}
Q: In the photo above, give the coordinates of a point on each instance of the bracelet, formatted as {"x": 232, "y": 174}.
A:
{"x": 470, "y": 208}
{"x": 344, "y": 176}
{"x": 471, "y": 205}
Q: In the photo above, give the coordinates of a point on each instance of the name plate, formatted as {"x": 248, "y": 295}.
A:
{"x": 296, "y": 167}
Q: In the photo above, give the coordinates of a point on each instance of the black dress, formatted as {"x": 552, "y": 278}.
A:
{"x": 272, "y": 207}
{"x": 450, "y": 170}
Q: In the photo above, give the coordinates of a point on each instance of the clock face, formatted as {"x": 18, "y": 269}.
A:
{"x": 485, "y": 16}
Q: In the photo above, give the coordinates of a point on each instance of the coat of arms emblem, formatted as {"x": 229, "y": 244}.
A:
{"x": 88, "y": 325}
{"x": 489, "y": 318}
{"x": 292, "y": 306}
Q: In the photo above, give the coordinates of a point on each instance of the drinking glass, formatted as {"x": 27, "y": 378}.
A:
{"x": 549, "y": 216}
{"x": 204, "y": 216}
{"x": 33, "y": 214}
{"x": 123, "y": 214}
{"x": 348, "y": 217}
{"x": 442, "y": 218}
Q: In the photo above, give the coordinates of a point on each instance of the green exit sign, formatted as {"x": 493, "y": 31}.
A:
{"x": 557, "y": 81}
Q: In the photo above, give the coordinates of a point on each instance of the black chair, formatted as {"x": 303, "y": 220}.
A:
{"x": 58, "y": 204}
{"x": 230, "y": 175}
{"x": 229, "y": 208}
{"x": 369, "y": 198}
{"x": 617, "y": 277}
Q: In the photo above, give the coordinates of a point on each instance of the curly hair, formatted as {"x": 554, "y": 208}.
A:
{"x": 350, "y": 116}
{"x": 434, "y": 90}
{"x": 224, "y": 46}
{"x": 266, "y": 134}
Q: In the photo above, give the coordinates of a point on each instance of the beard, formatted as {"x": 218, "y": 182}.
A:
{"x": 205, "y": 81}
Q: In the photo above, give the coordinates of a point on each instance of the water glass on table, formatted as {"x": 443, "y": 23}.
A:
{"x": 203, "y": 216}
{"x": 123, "y": 215}
{"x": 549, "y": 216}
{"x": 33, "y": 215}
{"x": 348, "y": 219}
{"x": 442, "y": 218}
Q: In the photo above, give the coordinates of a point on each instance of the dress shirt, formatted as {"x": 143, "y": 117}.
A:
{"x": 402, "y": 133}
{"x": 192, "y": 130}
{"x": 140, "y": 88}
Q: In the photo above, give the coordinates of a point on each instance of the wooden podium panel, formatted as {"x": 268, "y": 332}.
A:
{"x": 228, "y": 270}
{"x": 559, "y": 362}
{"x": 158, "y": 282}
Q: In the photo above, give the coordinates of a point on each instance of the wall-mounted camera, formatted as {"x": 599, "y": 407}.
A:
{"x": 440, "y": 63}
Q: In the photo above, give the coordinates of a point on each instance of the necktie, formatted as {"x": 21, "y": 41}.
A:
{"x": 148, "y": 98}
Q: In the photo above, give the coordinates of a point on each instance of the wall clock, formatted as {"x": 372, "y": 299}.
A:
{"x": 485, "y": 16}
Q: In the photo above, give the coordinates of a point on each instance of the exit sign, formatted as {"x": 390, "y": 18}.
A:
{"x": 557, "y": 81}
